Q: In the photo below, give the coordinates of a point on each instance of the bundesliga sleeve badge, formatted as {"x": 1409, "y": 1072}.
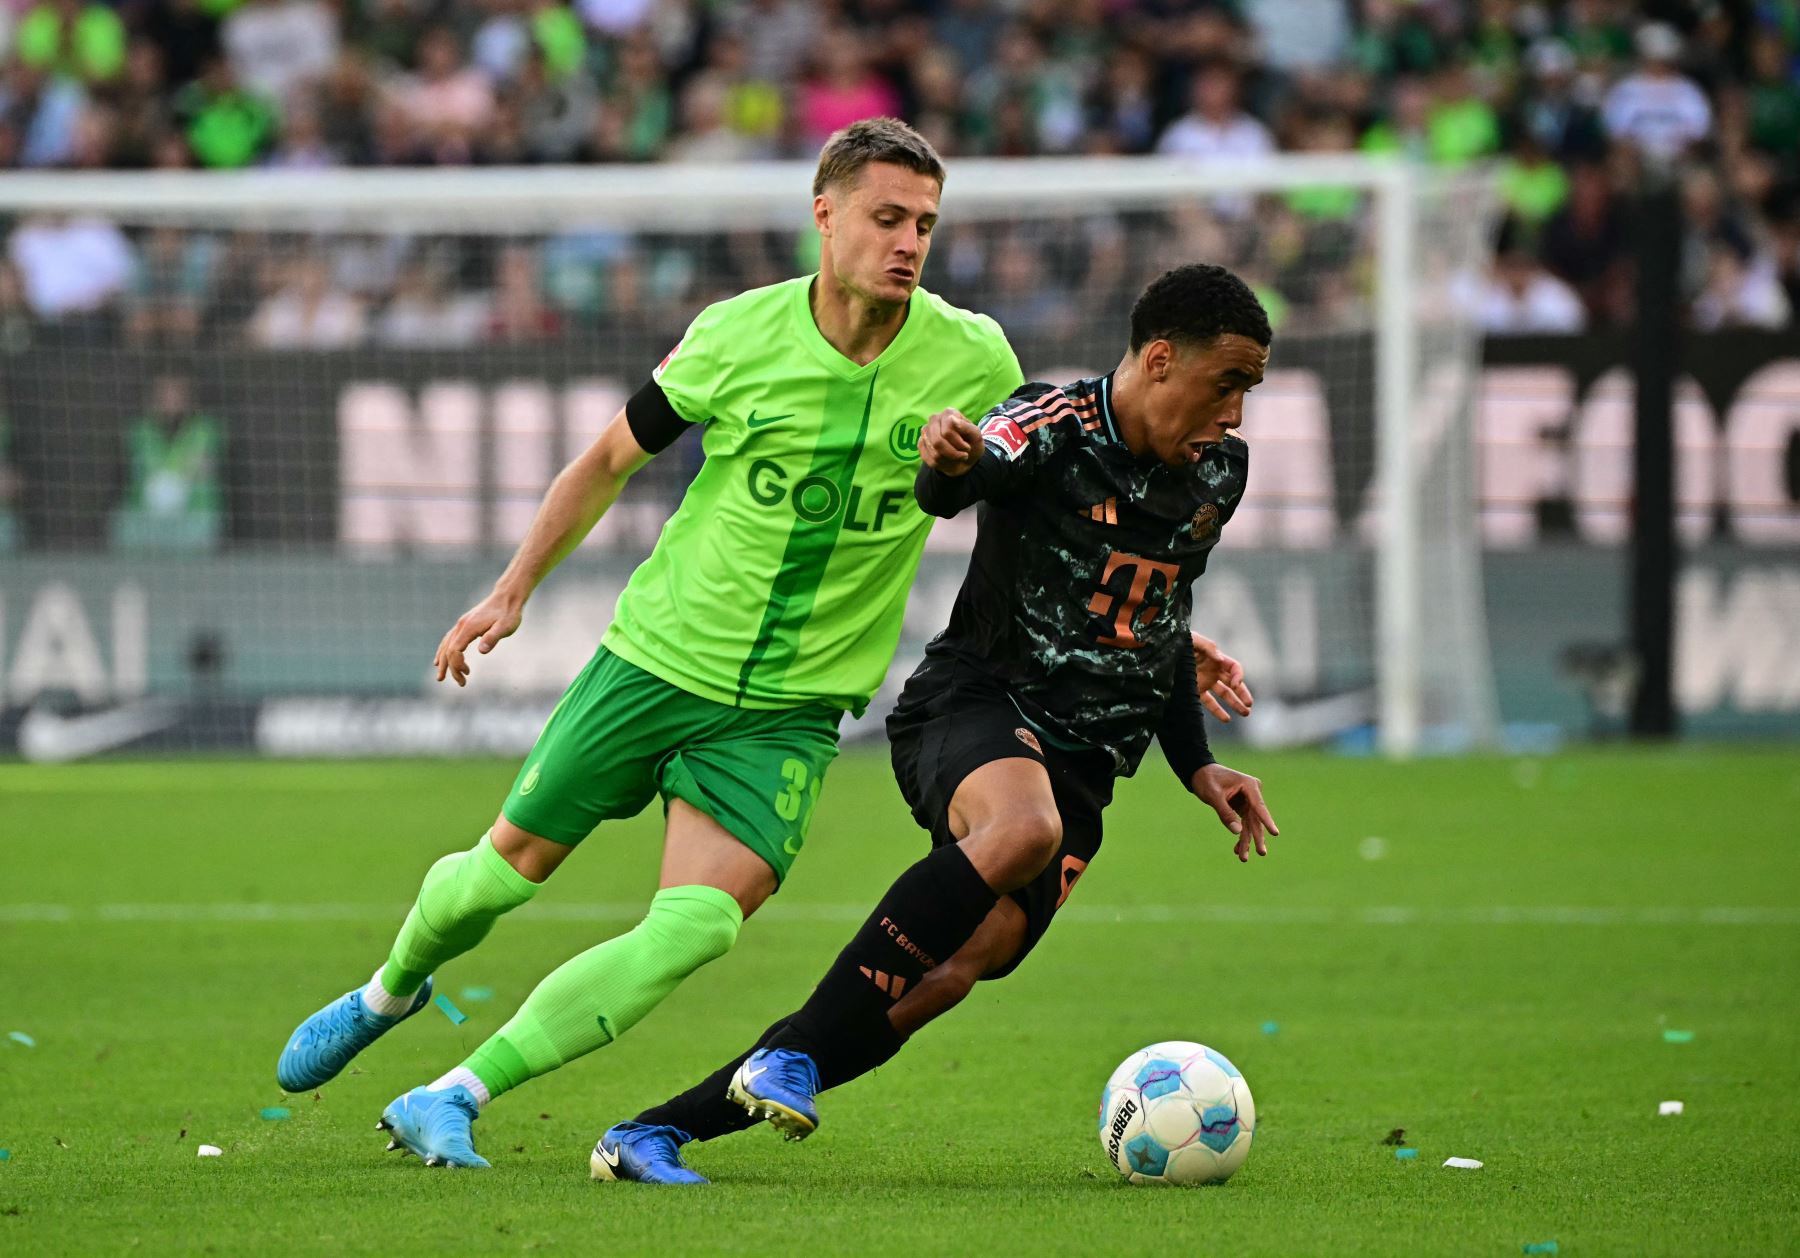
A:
{"x": 1002, "y": 435}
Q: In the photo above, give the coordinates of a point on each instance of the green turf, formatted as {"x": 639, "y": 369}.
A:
{"x": 1447, "y": 988}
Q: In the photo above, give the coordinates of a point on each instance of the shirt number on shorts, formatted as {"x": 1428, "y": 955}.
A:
{"x": 802, "y": 791}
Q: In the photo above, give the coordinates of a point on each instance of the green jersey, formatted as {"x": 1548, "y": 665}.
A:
{"x": 781, "y": 580}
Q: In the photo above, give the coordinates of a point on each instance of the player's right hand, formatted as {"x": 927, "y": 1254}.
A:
{"x": 950, "y": 444}
{"x": 495, "y": 617}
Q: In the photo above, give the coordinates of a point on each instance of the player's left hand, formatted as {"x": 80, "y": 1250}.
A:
{"x": 1217, "y": 674}
{"x": 1237, "y": 798}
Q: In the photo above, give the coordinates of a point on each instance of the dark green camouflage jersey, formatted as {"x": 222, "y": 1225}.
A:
{"x": 1080, "y": 589}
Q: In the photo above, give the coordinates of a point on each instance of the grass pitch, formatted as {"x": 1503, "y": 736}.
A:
{"x": 1485, "y": 953}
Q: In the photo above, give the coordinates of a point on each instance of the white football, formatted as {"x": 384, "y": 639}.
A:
{"x": 1177, "y": 1113}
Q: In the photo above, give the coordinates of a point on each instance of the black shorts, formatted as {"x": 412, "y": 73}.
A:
{"x": 952, "y": 720}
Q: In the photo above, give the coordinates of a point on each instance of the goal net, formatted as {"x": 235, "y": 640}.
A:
{"x": 264, "y": 436}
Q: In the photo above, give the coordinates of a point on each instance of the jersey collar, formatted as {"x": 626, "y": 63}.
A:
{"x": 828, "y": 354}
{"x": 1111, "y": 426}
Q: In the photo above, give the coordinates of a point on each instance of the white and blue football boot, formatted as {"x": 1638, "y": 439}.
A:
{"x": 643, "y": 1154}
{"x": 434, "y": 1125}
{"x": 325, "y": 1043}
{"x": 779, "y": 1084}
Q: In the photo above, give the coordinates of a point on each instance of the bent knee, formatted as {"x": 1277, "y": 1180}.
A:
{"x": 693, "y": 925}
{"x": 1012, "y": 850}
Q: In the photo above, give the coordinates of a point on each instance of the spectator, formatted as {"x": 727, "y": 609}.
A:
{"x": 1521, "y": 298}
{"x": 70, "y": 266}
{"x": 1122, "y": 107}
{"x": 170, "y": 286}
{"x": 557, "y": 111}
{"x": 1405, "y": 130}
{"x": 1216, "y": 128}
{"x": 48, "y": 108}
{"x": 308, "y": 312}
{"x": 754, "y": 107}
{"x": 841, "y": 88}
{"x": 1740, "y": 292}
{"x": 427, "y": 313}
{"x": 448, "y": 101}
{"x": 1657, "y": 111}
{"x": 1773, "y": 97}
{"x": 1555, "y": 110}
{"x": 1533, "y": 185}
{"x": 346, "y": 103}
{"x": 85, "y": 42}
{"x": 302, "y": 145}
{"x": 519, "y": 314}
{"x": 279, "y": 47}
{"x": 1461, "y": 126}
{"x": 636, "y": 111}
{"x": 174, "y": 459}
{"x": 1584, "y": 244}
{"x": 227, "y": 126}
{"x": 705, "y": 135}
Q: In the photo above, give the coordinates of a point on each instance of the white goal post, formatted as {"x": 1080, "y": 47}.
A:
{"x": 1366, "y": 466}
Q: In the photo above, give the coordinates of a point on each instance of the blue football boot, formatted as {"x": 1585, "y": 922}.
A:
{"x": 643, "y": 1154}
{"x": 779, "y": 1084}
{"x": 434, "y": 1125}
{"x": 325, "y": 1043}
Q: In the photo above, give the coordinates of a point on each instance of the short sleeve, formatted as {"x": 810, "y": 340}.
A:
{"x": 689, "y": 376}
{"x": 1003, "y": 380}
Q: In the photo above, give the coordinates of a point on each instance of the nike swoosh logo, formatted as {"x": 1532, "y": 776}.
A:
{"x": 607, "y": 1155}
{"x": 790, "y": 846}
{"x": 752, "y": 1075}
{"x": 754, "y": 422}
{"x": 46, "y": 737}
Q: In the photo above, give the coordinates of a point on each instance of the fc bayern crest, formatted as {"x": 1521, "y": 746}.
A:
{"x": 1206, "y": 522}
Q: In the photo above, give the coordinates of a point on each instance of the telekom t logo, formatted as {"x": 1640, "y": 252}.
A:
{"x": 1124, "y": 610}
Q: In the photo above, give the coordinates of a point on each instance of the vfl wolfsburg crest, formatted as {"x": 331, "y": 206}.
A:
{"x": 903, "y": 439}
{"x": 1206, "y": 522}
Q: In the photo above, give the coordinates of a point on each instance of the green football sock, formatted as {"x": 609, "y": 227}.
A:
{"x": 591, "y": 1000}
{"x": 463, "y": 896}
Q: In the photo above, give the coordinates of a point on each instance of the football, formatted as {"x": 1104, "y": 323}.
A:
{"x": 1177, "y": 1113}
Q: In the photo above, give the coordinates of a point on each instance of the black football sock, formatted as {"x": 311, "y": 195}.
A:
{"x": 931, "y": 910}
{"x": 704, "y": 1112}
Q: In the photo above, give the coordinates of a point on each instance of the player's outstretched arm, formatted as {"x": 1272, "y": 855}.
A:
{"x": 574, "y": 503}
{"x": 958, "y": 469}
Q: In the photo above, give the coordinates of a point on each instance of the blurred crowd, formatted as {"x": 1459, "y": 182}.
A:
{"x": 1577, "y": 101}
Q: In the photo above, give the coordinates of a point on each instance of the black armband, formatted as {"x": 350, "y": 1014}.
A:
{"x": 653, "y": 419}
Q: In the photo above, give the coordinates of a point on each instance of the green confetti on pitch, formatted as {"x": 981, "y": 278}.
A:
{"x": 475, "y": 995}
{"x": 1678, "y": 1037}
{"x": 19, "y": 1037}
{"x": 450, "y": 1010}
{"x": 276, "y": 1113}
{"x": 1541, "y": 1247}
{"x": 1406, "y": 1155}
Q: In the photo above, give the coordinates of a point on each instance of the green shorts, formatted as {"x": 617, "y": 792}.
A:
{"x": 620, "y": 736}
